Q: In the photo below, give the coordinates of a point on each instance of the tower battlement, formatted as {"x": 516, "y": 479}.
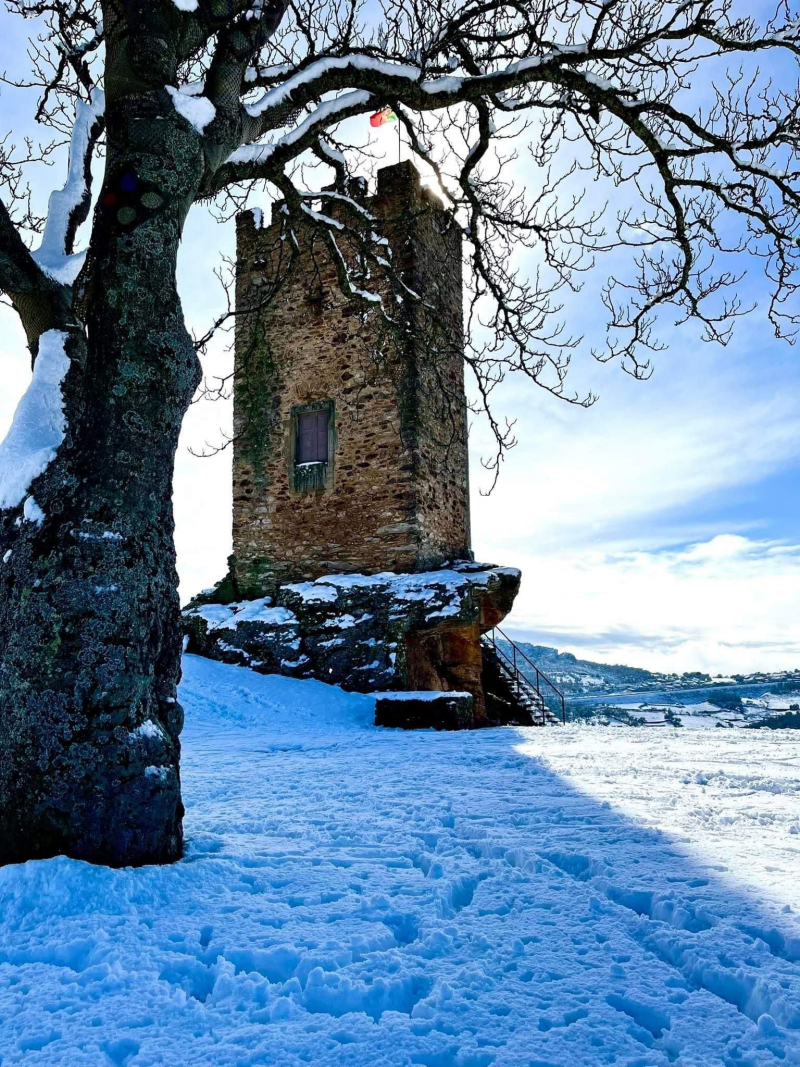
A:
{"x": 350, "y": 449}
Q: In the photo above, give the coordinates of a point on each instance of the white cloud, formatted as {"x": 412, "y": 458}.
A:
{"x": 592, "y": 504}
{"x": 728, "y": 604}
{"x": 708, "y": 422}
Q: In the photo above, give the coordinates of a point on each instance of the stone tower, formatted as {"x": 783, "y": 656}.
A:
{"x": 350, "y": 462}
{"x": 350, "y": 449}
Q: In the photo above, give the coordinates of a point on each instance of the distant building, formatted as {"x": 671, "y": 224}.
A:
{"x": 350, "y": 450}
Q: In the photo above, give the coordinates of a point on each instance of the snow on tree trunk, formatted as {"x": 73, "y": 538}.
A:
{"x": 90, "y": 631}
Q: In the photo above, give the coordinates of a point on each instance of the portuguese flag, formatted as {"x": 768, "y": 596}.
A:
{"x": 380, "y": 118}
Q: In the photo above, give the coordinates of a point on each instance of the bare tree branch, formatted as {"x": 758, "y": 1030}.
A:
{"x": 41, "y": 303}
{"x": 594, "y": 91}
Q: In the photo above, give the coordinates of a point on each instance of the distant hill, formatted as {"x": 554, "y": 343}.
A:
{"x": 578, "y": 676}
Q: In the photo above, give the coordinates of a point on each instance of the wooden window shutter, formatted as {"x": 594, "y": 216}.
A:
{"x": 322, "y": 436}
{"x": 312, "y": 437}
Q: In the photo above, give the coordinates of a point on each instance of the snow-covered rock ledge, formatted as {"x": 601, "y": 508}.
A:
{"x": 363, "y": 632}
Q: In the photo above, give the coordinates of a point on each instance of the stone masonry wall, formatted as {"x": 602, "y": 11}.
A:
{"x": 395, "y": 494}
{"x": 431, "y": 246}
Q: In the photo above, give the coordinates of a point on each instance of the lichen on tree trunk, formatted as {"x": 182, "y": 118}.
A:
{"x": 90, "y": 635}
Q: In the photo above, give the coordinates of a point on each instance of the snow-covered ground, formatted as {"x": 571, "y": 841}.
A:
{"x": 353, "y": 896}
{"x": 695, "y": 713}
{"x": 699, "y": 716}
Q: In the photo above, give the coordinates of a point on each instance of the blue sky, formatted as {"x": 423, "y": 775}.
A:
{"x": 658, "y": 528}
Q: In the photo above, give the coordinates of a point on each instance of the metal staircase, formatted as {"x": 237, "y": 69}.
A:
{"x": 524, "y": 681}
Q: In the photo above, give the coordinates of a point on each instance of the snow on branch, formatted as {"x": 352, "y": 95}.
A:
{"x": 316, "y": 72}
{"x": 325, "y": 115}
{"x": 39, "y": 423}
{"x": 195, "y": 108}
{"x": 69, "y": 205}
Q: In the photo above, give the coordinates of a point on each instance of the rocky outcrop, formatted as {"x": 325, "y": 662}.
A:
{"x": 363, "y": 632}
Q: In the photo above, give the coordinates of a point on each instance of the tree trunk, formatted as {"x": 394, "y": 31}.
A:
{"x": 90, "y": 636}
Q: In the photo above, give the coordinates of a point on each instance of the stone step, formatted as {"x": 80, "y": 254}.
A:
{"x": 424, "y": 710}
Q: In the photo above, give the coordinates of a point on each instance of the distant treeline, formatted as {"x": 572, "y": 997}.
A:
{"x": 785, "y": 720}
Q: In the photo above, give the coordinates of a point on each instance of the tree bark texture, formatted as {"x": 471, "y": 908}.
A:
{"x": 90, "y": 637}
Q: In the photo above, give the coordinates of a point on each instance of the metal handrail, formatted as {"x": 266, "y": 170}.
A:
{"x": 516, "y": 650}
